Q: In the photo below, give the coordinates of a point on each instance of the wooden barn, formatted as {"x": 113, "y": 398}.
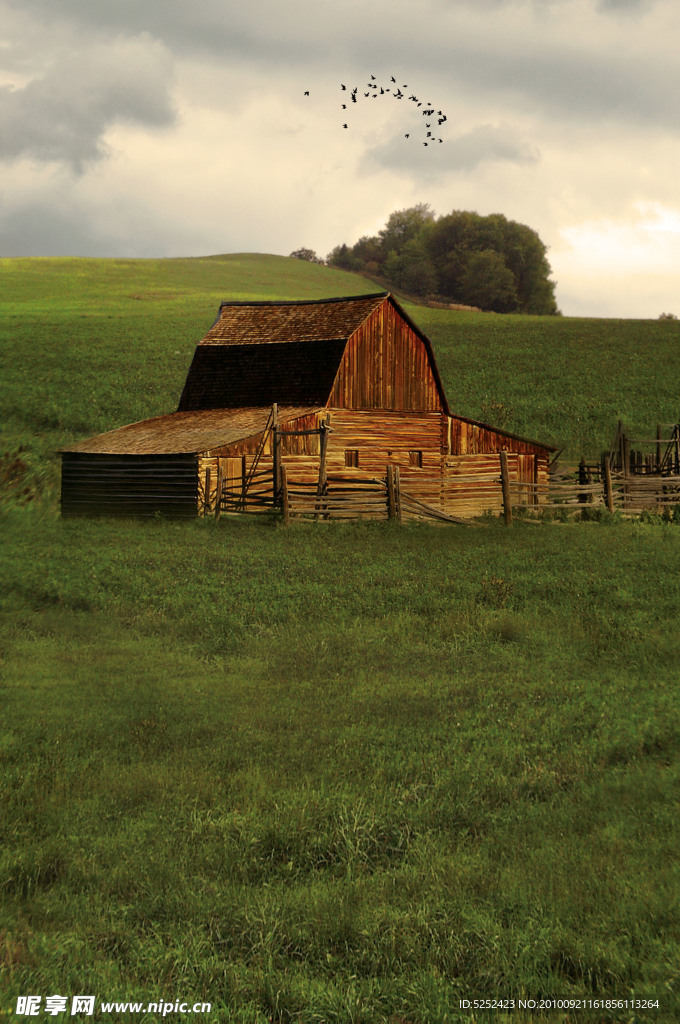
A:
{"x": 320, "y": 393}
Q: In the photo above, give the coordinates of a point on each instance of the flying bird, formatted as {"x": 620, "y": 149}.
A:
{"x": 307, "y": 93}
{"x": 343, "y": 86}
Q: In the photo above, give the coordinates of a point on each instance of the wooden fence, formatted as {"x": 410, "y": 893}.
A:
{"x": 571, "y": 489}
{"x": 574, "y": 488}
{"x": 349, "y": 495}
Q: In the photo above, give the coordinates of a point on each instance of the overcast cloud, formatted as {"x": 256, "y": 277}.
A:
{"x": 169, "y": 129}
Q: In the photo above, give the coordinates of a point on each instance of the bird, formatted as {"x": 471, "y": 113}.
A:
{"x": 343, "y": 86}
{"x": 366, "y": 94}
{"x": 344, "y": 106}
{"x": 373, "y": 77}
{"x": 307, "y": 93}
{"x": 344, "y": 126}
{"x": 354, "y": 99}
{"x": 393, "y": 79}
{"x": 406, "y": 136}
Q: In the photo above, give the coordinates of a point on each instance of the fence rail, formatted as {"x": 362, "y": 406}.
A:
{"x": 569, "y": 489}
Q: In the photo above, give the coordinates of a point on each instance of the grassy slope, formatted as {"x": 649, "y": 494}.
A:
{"x": 347, "y": 774}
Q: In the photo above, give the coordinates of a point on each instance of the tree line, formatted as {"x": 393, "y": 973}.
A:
{"x": 461, "y": 257}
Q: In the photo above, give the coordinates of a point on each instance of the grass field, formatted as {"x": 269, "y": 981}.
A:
{"x": 348, "y": 773}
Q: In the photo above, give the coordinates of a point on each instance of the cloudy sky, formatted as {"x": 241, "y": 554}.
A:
{"x": 169, "y": 128}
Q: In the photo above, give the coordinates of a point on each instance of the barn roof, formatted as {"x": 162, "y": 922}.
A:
{"x": 260, "y": 352}
{"x": 184, "y": 432}
{"x": 272, "y": 322}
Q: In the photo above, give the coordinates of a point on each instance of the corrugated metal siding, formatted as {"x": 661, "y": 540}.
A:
{"x": 129, "y": 485}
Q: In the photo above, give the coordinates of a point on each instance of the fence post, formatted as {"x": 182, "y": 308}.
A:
{"x": 275, "y": 451}
{"x": 391, "y": 504}
{"x": 397, "y": 493}
{"x": 608, "y": 495}
{"x": 206, "y": 492}
{"x": 505, "y": 484}
{"x": 626, "y": 469}
{"x": 284, "y": 495}
{"x": 322, "y": 486}
{"x": 218, "y": 497}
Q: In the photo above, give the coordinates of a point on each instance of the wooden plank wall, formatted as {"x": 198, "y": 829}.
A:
{"x": 460, "y": 484}
{"x": 471, "y": 484}
{"x": 382, "y": 438}
{"x": 476, "y": 439}
{"x": 385, "y": 366}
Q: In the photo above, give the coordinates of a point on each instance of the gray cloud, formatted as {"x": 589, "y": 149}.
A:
{"x": 63, "y": 114}
{"x": 52, "y": 229}
{"x": 464, "y": 153}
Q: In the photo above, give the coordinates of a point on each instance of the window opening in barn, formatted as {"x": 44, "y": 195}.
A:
{"x": 351, "y": 457}
{"x": 416, "y": 459}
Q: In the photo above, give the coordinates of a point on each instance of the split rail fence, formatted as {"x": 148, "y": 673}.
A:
{"x": 571, "y": 489}
{"x": 627, "y": 479}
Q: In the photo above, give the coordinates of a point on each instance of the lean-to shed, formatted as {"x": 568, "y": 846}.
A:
{"x": 358, "y": 363}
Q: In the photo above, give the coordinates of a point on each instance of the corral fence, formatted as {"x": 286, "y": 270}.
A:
{"x": 335, "y": 496}
{"x": 630, "y": 478}
{"x": 575, "y": 488}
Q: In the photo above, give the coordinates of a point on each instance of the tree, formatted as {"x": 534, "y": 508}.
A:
{"x": 403, "y": 225}
{"x": 412, "y": 269}
{"x": 488, "y": 283}
{"x": 306, "y": 254}
{"x": 424, "y": 254}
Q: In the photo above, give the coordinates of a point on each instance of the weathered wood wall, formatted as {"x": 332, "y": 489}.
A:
{"x": 386, "y": 366}
{"x": 129, "y": 485}
{"x": 469, "y": 438}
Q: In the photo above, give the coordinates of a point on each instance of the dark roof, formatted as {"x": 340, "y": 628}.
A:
{"x": 184, "y": 432}
{"x": 226, "y": 375}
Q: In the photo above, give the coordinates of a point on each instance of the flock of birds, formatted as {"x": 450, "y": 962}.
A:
{"x": 394, "y": 91}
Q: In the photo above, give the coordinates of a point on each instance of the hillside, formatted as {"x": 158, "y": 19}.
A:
{"x": 90, "y": 344}
{"x": 334, "y": 772}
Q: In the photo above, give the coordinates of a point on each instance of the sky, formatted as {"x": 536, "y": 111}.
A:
{"x": 153, "y": 128}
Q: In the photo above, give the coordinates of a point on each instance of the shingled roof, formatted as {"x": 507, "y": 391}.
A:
{"x": 270, "y": 323}
{"x": 257, "y": 353}
{"x": 184, "y": 432}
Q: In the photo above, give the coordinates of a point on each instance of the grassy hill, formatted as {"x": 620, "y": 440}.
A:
{"x": 87, "y": 345}
{"x": 336, "y": 773}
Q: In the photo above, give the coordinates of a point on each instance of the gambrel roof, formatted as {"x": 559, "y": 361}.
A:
{"x": 257, "y": 353}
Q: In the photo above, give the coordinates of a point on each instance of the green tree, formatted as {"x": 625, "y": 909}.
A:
{"x": 412, "y": 269}
{"x": 403, "y": 225}
{"x": 488, "y": 283}
{"x": 306, "y": 254}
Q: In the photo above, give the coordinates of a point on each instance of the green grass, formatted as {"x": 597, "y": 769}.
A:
{"x": 334, "y": 773}
{"x": 348, "y": 774}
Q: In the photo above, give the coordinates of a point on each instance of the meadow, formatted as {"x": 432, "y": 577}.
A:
{"x": 331, "y": 773}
